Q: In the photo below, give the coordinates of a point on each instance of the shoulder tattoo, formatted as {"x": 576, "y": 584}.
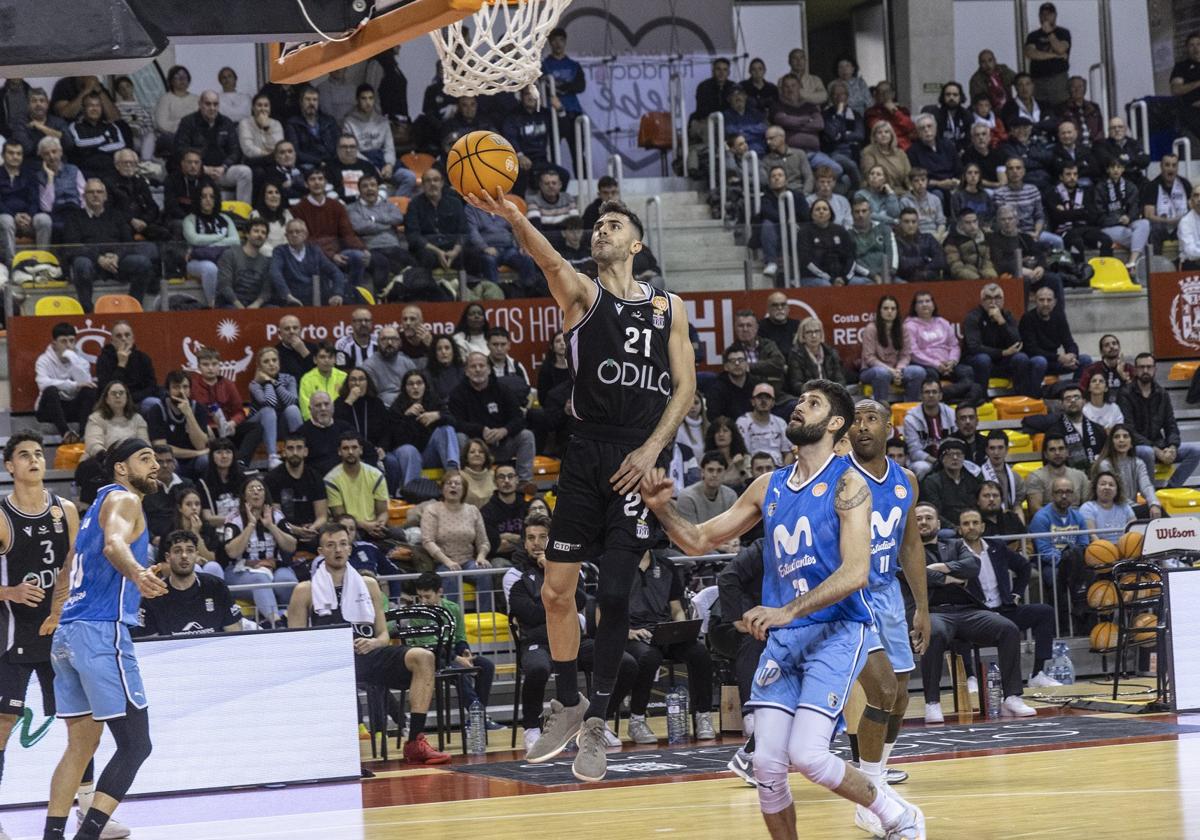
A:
{"x": 845, "y": 498}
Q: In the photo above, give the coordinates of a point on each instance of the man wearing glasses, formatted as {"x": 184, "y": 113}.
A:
{"x": 992, "y": 345}
{"x": 777, "y": 326}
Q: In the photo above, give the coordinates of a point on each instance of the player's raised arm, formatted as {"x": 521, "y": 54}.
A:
{"x": 852, "y": 501}
{"x": 119, "y": 519}
{"x": 657, "y": 488}
{"x": 912, "y": 560}
{"x": 569, "y": 288}
{"x": 683, "y": 389}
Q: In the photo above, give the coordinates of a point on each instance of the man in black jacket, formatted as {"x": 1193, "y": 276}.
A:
{"x": 1084, "y": 438}
{"x": 992, "y": 343}
{"x": 181, "y": 191}
{"x": 956, "y": 615}
{"x": 730, "y": 394}
{"x": 1069, "y": 208}
{"x": 1149, "y": 415}
{"x": 527, "y": 612}
{"x": 921, "y": 257}
{"x": 436, "y": 225}
{"x": 1020, "y": 254}
{"x": 216, "y": 138}
{"x": 91, "y": 141}
{"x": 1045, "y": 333}
{"x": 503, "y": 515}
{"x": 106, "y": 230}
{"x": 130, "y": 193}
{"x": 120, "y": 360}
{"x": 483, "y": 408}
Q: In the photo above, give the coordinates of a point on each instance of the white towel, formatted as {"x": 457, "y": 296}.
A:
{"x": 356, "y": 598}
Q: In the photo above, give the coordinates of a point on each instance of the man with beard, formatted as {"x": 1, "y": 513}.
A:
{"x": 1116, "y": 371}
{"x": 815, "y": 616}
{"x": 619, "y": 330}
{"x": 996, "y": 469}
{"x": 387, "y": 365}
{"x": 96, "y": 676}
{"x": 879, "y": 711}
{"x": 299, "y": 491}
{"x": 996, "y": 520}
{"x": 1151, "y": 419}
{"x": 195, "y": 604}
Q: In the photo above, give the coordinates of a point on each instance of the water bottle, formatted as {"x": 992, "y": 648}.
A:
{"x": 995, "y": 694}
{"x": 476, "y": 729}
{"x": 676, "y": 716}
{"x": 1061, "y": 667}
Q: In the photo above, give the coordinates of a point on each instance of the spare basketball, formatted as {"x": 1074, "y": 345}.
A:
{"x": 1130, "y": 545}
{"x": 1148, "y": 619}
{"x": 1101, "y": 553}
{"x": 1104, "y": 636}
{"x": 481, "y": 162}
{"x": 1130, "y": 580}
{"x": 1102, "y": 595}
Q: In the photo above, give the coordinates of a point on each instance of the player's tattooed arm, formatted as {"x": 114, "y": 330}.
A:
{"x": 847, "y": 497}
{"x": 657, "y": 489}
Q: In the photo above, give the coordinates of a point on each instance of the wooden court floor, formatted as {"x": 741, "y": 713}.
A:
{"x": 1144, "y": 789}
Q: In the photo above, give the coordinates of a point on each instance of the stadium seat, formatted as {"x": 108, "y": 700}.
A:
{"x": 1180, "y": 501}
{"x": 520, "y": 202}
{"x": 67, "y": 456}
{"x": 1014, "y": 408}
{"x": 111, "y": 304}
{"x": 1163, "y": 472}
{"x": 1024, "y": 468}
{"x": 398, "y": 511}
{"x": 1037, "y": 441}
{"x": 365, "y": 295}
{"x": 987, "y": 412}
{"x": 240, "y": 209}
{"x": 1183, "y": 371}
{"x": 400, "y": 201}
{"x": 1018, "y": 442}
{"x": 544, "y": 465}
{"x": 57, "y": 305}
{"x": 433, "y": 473}
{"x": 486, "y": 628}
{"x": 417, "y": 163}
{"x": 1111, "y": 275}
{"x": 1000, "y": 383}
{"x": 36, "y": 256}
{"x": 899, "y": 409}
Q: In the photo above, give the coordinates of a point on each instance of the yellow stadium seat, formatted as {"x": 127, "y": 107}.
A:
{"x": 433, "y": 473}
{"x": 486, "y": 628}
{"x": 1183, "y": 371}
{"x": 1018, "y": 442}
{"x": 241, "y": 209}
{"x": 1180, "y": 501}
{"x": 987, "y": 412}
{"x": 999, "y": 383}
{"x": 35, "y": 255}
{"x": 1163, "y": 472}
{"x": 57, "y": 305}
{"x": 1024, "y": 468}
{"x": 899, "y": 409}
{"x": 1111, "y": 275}
{"x": 367, "y": 296}
{"x": 1014, "y": 408}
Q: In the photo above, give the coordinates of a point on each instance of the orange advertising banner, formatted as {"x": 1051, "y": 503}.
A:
{"x": 172, "y": 338}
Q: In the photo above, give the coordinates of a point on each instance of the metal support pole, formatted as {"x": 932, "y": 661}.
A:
{"x": 583, "y": 154}
{"x": 751, "y": 195}
{"x": 716, "y": 157}
{"x": 1098, "y": 86}
{"x": 655, "y": 242}
{"x": 547, "y": 97}
{"x": 1139, "y": 112}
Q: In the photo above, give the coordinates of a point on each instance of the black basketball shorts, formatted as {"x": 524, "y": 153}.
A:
{"x": 589, "y": 515}
{"x": 14, "y": 682}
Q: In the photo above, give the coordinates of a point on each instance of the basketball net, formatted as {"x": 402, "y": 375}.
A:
{"x": 503, "y": 53}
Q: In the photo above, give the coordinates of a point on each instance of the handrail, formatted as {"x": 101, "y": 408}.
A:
{"x": 1142, "y": 110}
{"x": 1186, "y": 157}
{"x": 679, "y": 111}
{"x": 751, "y": 193}
{"x": 1099, "y": 94}
{"x": 716, "y": 157}
{"x": 555, "y": 139}
{"x": 655, "y": 244}
{"x": 616, "y": 167}
{"x": 787, "y": 239}
{"x": 583, "y": 156}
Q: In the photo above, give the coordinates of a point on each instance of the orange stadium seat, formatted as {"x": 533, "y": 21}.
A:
{"x": 1014, "y": 408}
{"x": 417, "y": 162}
{"x": 111, "y": 304}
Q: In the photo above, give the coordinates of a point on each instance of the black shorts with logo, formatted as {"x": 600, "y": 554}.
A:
{"x": 14, "y": 682}
{"x": 384, "y": 666}
{"x": 589, "y": 515}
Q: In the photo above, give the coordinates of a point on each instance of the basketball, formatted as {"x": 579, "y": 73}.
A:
{"x": 1101, "y": 553}
{"x": 1130, "y": 545}
{"x": 1148, "y": 619}
{"x": 480, "y": 162}
{"x": 1102, "y": 595}
{"x": 1130, "y": 580}
{"x": 1104, "y": 636}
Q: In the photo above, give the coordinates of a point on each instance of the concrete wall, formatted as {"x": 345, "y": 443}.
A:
{"x": 925, "y": 55}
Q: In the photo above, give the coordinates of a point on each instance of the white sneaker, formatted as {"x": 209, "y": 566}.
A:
{"x": 933, "y": 713}
{"x": 911, "y": 825}
{"x": 531, "y": 736}
{"x": 972, "y": 685}
{"x": 1041, "y": 680}
{"x": 640, "y": 731}
{"x": 610, "y": 737}
{"x": 113, "y": 830}
{"x": 770, "y": 269}
{"x": 868, "y": 822}
{"x": 1014, "y": 706}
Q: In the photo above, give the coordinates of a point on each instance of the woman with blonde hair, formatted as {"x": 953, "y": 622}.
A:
{"x": 883, "y": 150}
{"x": 275, "y": 399}
{"x": 811, "y": 358}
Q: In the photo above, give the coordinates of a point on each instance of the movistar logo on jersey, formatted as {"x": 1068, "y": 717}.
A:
{"x": 788, "y": 542}
{"x": 881, "y": 527}
{"x": 631, "y": 375}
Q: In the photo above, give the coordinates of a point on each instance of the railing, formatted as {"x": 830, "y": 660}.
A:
{"x": 1138, "y": 112}
{"x": 1099, "y": 93}
{"x": 583, "y": 157}
{"x": 548, "y": 96}
{"x": 655, "y": 244}
{"x": 1185, "y": 159}
{"x": 751, "y": 191}
{"x": 788, "y": 250}
{"x": 616, "y": 167}
{"x": 679, "y": 142}
{"x": 716, "y": 157}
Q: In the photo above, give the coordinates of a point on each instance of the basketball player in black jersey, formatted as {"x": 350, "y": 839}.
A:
{"x": 634, "y": 376}
{"x": 37, "y": 532}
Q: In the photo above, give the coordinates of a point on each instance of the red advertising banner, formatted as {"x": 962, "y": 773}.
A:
{"x": 172, "y": 338}
{"x": 1175, "y": 315}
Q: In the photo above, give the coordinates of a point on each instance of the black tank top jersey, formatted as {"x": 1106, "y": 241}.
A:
{"x": 335, "y": 619}
{"x": 37, "y": 550}
{"x": 620, "y": 364}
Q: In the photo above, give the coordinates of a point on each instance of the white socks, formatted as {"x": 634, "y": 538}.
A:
{"x": 85, "y": 795}
{"x": 887, "y": 752}
{"x": 888, "y": 808}
{"x": 748, "y": 724}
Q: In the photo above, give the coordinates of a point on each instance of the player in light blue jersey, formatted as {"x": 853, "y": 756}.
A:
{"x": 815, "y": 613}
{"x": 895, "y": 543}
{"x": 96, "y": 677}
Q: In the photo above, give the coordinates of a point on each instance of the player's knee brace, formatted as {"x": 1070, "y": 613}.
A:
{"x": 819, "y": 766}
{"x": 132, "y": 736}
{"x": 774, "y": 792}
{"x": 875, "y": 715}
